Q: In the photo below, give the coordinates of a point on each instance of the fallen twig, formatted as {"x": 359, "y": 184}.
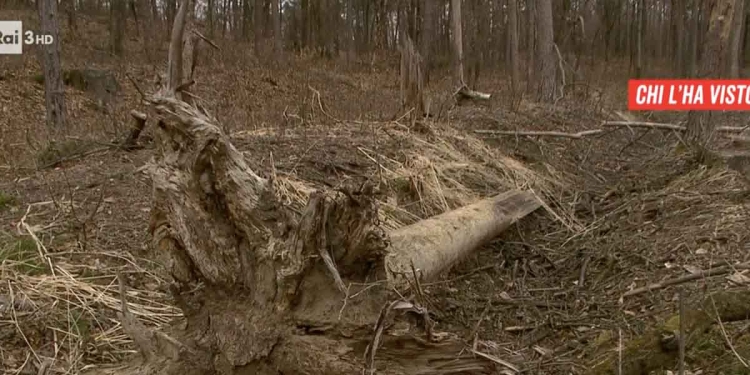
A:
{"x": 533, "y": 133}
{"x": 664, "y": 126}
{"x": 716, "y": 271}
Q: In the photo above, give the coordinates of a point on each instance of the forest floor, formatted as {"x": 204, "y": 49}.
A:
{"x": 624, "y": 209}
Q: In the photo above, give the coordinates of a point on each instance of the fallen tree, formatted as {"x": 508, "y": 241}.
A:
{"x": 269, "y": 283}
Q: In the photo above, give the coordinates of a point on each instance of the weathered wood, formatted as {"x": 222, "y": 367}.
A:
{"x": 466, "y": 93}
{"x": 131, "y": 140}
{"x": 412, "y": 80}
{"x": 435, "y": 244}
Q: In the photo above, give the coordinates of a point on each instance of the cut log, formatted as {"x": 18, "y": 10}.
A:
{"x": 140, "y": 123}
{"x": 435, "y": 244}
{"x": 466, "y": 93}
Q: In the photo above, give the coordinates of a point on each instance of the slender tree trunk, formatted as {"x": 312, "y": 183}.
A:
{"x": 118, "y": 13}
{"x": 426, "y": 37}
{"x": 547, "y": 82}
{"x": 641, "y": 27}
{"x": 700, "y": 125}
{"x": 54, "y": 91}
{"x": 694, "y": 27}
{"x": 458, "y": 48}
{"x": 210, "y": 17}
{"x": 531, "y": 46}
{"x": 276, "y": 21}
{"x": 72, "y": 16}
{"x": 679, "y": 35}
{"x": 258, "y": 27}
{"x": 515, "y": 67}
{"x": 147, "y": 24}
{"x": 735, "y": 42}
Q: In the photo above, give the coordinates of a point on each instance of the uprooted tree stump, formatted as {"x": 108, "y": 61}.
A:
{"x": 269, "y": 285}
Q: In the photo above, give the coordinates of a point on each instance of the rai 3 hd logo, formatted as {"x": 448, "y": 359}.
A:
{"x": 13, "y": 38}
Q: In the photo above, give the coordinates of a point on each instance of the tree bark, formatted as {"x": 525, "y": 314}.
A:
{"x": 545, "y": 56}
{"x": 54, "y": 91}
{"x": 700, "y": 125}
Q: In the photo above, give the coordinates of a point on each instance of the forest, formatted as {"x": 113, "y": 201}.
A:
{"x": 324, "y": 187}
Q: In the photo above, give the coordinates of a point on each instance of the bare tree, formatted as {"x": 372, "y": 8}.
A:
{"x": 427, "y": 36}
{"x": 700, "y": 125}
{"x": 546, "y": 81}
{"x": 54, "y": 91}
{"x": 258, "y": 27}
{"x": 531, "y": 44}
{"x": 458, "y": 48}
{"x": 678, "y": 36}
{"x": 515, "y": 68}
{"x": 735, "y": 43}
{"x": 276, "y": 22}
{"x": 695, "y": 11}
{"x": 70, "y": 8}
{"x": 640, "y": 30}
{"x": 118, "y": 13}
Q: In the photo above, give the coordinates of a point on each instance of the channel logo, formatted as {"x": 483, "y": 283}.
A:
{"x": 12, "y": 38}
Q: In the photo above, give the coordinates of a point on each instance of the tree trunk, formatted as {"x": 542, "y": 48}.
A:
{"x": 118, "y": 13}
{"x": 735, "y": 42}
{"x": 641, "y": 29}
{"x": 412, "y": 79}
{"x": 458, "y": 48}
{"x": 546, "y": 81}
{"x": 694, "y": 27}
{"x": 270, "y": 284}
{"x": 54, "y": 91}
{"x": 148, "y": 29}
{"x": 210, "y": 17}
{"x": 427, "y": 36}
{"x": 679, "y": 35}
{"x": 72, "y": 16}
{"x": 276, "y": 21}
{"x": 258, "y": 27}
{"x": 515, "y": 67}
{"x": 700, "y": 125}
{"x": 531, "y": 46}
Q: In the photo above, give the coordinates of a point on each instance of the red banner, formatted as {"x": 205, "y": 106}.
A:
{"x": 688, "y": 95}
